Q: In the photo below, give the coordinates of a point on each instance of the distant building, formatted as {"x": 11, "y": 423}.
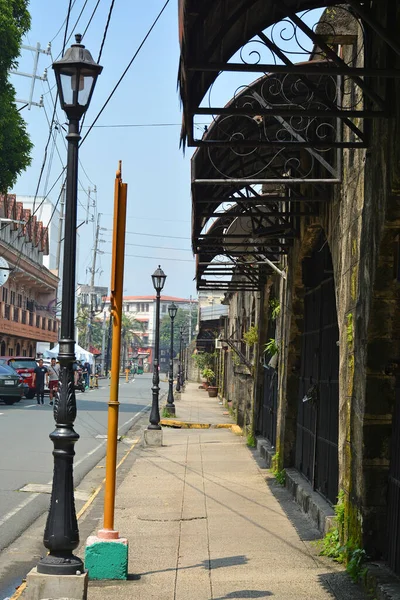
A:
{"x": 28, "y": 298}
{"x": 50, "y": 215}
{"x": 142, "y": 309}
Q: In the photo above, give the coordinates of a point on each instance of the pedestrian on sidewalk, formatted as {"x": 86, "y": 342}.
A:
{"x": 39, "y": 375}
{"x": 54, "y": 376}
{"x": 86, "y": 373}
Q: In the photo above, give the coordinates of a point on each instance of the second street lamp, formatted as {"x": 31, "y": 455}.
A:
{"x": 158, "y": 278}
{"x": 76, "y": 74}
{"x": 182, "y": 357}
{"x": 172, "y": 310}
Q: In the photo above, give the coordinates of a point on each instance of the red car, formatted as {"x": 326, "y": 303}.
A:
{"x": 24, "y": 365}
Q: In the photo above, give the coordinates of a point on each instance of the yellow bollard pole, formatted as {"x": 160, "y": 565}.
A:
{"x": 117, "y": 278}
{"x": 126, "y": 375}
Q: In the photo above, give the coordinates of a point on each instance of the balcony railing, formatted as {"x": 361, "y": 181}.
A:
{"x": 27, "y": 317}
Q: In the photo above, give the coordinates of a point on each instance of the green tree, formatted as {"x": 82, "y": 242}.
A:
{"x": 181, "y": 319}
{"x": 82, "y": 321}
{"x": 15, "y": 145}
{"x": 129, "y": 328}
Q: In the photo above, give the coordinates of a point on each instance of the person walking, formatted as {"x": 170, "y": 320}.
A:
{"x": 39, "y": 375}
{"x": 87, "y": 371}
{"x": 54, "y": 376}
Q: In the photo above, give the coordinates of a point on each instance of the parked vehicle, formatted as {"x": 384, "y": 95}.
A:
{"x": 11, "y": 386}
{"x": 25, "y": 386}
{"x": 24, "y": 366}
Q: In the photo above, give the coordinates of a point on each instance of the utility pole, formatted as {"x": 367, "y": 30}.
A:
{"x": 60, "y": 235}
{"x": 190, "y": 319}
{"x": 60, "y": 228}
{"x": 108, "y": 535}
{"x": 36, "y": 51}
{"x": 93, "y": 271}
{"x": 103, "y": 343}
{"x": 87, "y": 206}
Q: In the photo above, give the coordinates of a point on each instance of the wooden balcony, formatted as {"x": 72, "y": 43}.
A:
{"x": 22, "y": 323}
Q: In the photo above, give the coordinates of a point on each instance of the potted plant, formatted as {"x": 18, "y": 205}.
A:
{"x": 203, "y": 361}
{"x": 211, "y": 381}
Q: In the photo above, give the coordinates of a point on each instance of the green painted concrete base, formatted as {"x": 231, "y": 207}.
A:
{"x": 106, "y": 559}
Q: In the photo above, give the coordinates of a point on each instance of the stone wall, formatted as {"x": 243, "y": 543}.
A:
{"x": 361, "y": 224}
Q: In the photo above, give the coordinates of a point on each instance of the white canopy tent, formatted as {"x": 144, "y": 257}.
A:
{"x": 80, "y": 353}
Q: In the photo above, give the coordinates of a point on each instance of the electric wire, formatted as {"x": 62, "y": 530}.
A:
{"x": 106, "y": 30}
{"x": 91, "y": 17}
{"x": 119, "y": 125}
{"x": 102, "y": 45}
{"x": 54, "y": 112}
{"x": 172, "y": 237}
{"x": 155, "y": 247}
{"x": 125, "y": 71}
{"x": 63, "y": 23}
{"x": 77, "y": 21}
{"x": 156, "y": 257}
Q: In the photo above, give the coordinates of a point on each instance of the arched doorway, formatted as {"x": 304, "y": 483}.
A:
{"x": 318, "y": 400}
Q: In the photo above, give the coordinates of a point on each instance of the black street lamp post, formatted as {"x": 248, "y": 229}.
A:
{"x": 158, "y": 278}
{"x": 181, "y": 357}
{"x": 172, "y": 310}
{"x": 76, "y": 74}
{"x": 179, "y": 376}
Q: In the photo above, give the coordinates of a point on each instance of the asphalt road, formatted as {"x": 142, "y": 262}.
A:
{"x": 26, "y": 450}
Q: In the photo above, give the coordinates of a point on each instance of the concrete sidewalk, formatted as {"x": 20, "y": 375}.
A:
{"x": 204, "y": 522}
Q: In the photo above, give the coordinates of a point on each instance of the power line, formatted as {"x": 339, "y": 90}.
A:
{"x": 66, "y": 27}
{"x": 157, "y": 258}
{"x": 126, "y": 70}
{"x": 156, "y": 247}
{"x": 172, "y": 237}
{"x": 91, "y": 17}
{"x": 139, "y": 125}
{"x": 106, "y": 30}
{"x": 77, "y": 21}
{"x": 63, "y": 23}
{"x": 102, "y": 46}
{"x": 152, "y": 219}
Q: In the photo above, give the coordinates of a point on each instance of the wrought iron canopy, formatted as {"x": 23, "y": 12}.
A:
{"x": 238, "y": 250}
{"x": 230, "y": 35}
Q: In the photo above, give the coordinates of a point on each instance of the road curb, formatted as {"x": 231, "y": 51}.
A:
{"x": 189, "y": 425}
{"x": 22, "y": 587}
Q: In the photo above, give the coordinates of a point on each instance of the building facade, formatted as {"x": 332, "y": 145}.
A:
{"x": 28, "y": 298}
{"x": 300, "y": 227}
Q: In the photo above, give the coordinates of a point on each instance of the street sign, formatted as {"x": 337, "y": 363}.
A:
{"x": 4, "y": 271}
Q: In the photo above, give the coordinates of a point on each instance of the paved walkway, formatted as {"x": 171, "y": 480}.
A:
{"x": 206, "y": 522}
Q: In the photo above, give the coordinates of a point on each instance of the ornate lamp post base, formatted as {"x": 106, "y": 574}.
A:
{"x": 62, "y": 563}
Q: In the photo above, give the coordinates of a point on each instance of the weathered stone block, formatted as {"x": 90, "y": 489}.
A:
{"x": 375, "y": 486}
{"x": 379, "y": 353}
{"x": 106, "y": 559}
{"x": 377, "y": 441}
{"x": 379, "y": 397}
{"x": 153, "y": 437}
{"x": 41, "y": 587}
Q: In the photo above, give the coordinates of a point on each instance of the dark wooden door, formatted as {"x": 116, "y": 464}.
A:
{"x": 393, "y": 514}
{"x": 318, "y": 401}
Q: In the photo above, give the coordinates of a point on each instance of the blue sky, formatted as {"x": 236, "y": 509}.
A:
{"x": 157, "y": 173}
